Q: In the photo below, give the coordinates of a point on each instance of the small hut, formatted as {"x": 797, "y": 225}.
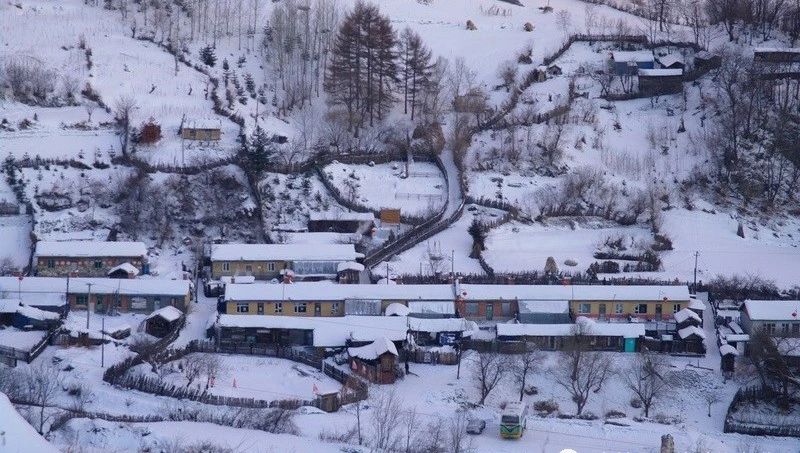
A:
{"x": 686, "y": 318}
{"x": 124, "y": 270}
{"x": 728, "y": 358}
{"x": 376, "y": 362}
{"x": 202, "y": 129}
{"x": 162, "y": 321}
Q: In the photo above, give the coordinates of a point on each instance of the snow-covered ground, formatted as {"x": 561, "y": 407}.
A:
{"x": 418, "y": 190}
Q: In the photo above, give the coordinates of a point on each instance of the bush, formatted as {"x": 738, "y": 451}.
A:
{"x": 531, "y": 390}
{"x": 661, "y": 242}
{"x": 570, "y": 262}
{"x": 546, "y": 406}
{"x": 636, "y": 403}
{"x": 588, "y": 416}
{"x": 150, "y": 132}
{"x": 528, "y": 27}
{"x": 615, "y": 414}
{"x": 471, "y": 25}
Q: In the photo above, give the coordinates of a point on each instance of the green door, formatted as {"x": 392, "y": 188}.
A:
{"x": 630, "y": 345}
{"x": 489, "y": 312}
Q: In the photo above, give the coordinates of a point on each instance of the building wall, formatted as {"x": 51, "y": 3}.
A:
{"x": 480, "y": 310}
{"x": 126, "y": 303}
{"x": 626, "y": 308}
{"x": 82, "y": 267}
{"x": 660, "y": 85}
{"x": 259, "y": 269}
{"x": 200, "y": 134}
{"x": 781, "y": 328}
{"x": 285, "y": 308}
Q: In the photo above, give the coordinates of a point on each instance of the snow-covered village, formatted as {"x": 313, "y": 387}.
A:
{"x": 401, "y": 226}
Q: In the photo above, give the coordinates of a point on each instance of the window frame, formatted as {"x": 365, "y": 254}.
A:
{"x": 584, "y": 308}
{"x": 300, "y": 307}
{"x": 242, "y": 308}
{"x": 619, "y": 308}
{"x": 278, "y": 307}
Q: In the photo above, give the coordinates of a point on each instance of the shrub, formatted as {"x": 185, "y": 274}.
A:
{"x": 661, "y": 242}
{"x": 471, "y": 25}
{"x": 528, "y": 27}
{"x": 546, "y": 406}
{"x": 588, "y": 416}
{"x": 636, "y": 403}
{"x": 531, "y": 390}
{"x": 615, "y": 414}
{"x": 150, "y": 132}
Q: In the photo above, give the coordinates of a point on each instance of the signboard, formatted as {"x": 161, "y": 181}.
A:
{"x": 390, "y": 216}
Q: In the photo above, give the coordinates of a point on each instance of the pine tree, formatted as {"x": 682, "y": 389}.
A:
{"x": 362, "y": 75}
{"x": 207, "y": 56}
{"x": 416, "y": 69}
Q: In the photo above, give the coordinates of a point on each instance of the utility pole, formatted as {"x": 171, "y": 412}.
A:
{"x": 387, "y": 272}
{"x": 453, "y": 263}
{"x": 103, "y": 342}
{"x": 88, "y": 304}
{"x": 694, "y": 285}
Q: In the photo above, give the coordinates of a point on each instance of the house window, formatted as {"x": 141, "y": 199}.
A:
{"x": 472, "y": 308}
{"x": 81, "y": 299}
{"x": 51, "y": 263}
{"x": 676, "y": 308}
{"x": 796, "y": 329}
{"x": 248, "y": 269}
{"x": 784, "y": 328}
{"x": 619, "y": 309}
{"x": 584, "y": 308}
{"x": 226, "y": 266}
{"x": 300, "y": 307}
{"x": 260, "y": 309}
{"x": 506, "y": 308}
{"x": 640, "y": 309}
{"x": 271, "y": 266}
{"x": 278, "y": 307}
{"x": 770, "y": 327}
{"x": 242, "y": 308}
{"x": 335, "y": 308}
{"x": 98, "y": 264}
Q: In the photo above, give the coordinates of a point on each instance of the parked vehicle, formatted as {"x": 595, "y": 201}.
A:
{"x": 476, "y": 426}
{"x": 513, "y": 420}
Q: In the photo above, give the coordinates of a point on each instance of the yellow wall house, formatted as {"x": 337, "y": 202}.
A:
{"x": 623, "y": 302}
{"x": 266, "y": 261}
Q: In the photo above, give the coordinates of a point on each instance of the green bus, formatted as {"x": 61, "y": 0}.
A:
{"x": 513, "y": 420}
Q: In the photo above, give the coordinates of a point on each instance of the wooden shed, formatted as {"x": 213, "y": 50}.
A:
{"x": 202, "y": 129}
{"x": 376, "y": 362}
{"x": 162, "y": 321}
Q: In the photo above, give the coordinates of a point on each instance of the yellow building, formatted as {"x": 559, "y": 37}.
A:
{"x": 268, "y": 261}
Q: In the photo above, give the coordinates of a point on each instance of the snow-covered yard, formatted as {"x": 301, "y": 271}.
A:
{"x": 262, "y": 378}
{"x": 418, "y": 190}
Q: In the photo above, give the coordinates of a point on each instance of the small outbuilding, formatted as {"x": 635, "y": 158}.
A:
{"x": 628, "y": 63}
{"x": 376, "y": 362}
{"x": 686, "y": 317}
{"x": 655, "y": 82}
{"x": 672, "y": 61}
{"x": 202, "y": 129}
{"x": 706, "y": 60}
{"x": 162, "y": 321}
{"x": 124, "y": 270}
{"x": 728, "y": 358}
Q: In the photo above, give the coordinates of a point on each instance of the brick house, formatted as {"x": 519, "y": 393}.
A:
{"x": 127, "y": 295}
{"x": 268, "y": 261}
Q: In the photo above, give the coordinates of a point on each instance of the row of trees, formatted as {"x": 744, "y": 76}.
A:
{"x": 371, "y": 66}
{"x": 579, "y": 370}
{"x": 761, "y": 17}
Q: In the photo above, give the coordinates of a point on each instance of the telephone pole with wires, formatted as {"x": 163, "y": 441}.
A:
{"x": 694, "y": 284}
{"x": 88, "y": 304}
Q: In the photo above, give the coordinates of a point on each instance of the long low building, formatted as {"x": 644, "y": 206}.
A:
{"x": 547, "y": 303}
{"x": 604, "y": 335}
{"x": 268, "y": 261}
{"x": 126, "y": 295}
{"x": 87, "y": 258}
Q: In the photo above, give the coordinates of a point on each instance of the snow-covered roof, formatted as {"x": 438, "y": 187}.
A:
{"x": 660, "y": 72}
{"x": 129, "y": 269}
{"x": 697, "y": 304}
{"x": 86, "y": 249}
{"x": 600, "y": 329}
{"x": 342, "y": 216}
{"x": 327, "y": 332}
{"x": 737, "y": 337}
{"x": 349, "y": 266}
{"x": 439, "y": 307}
{"x": 284, "y": 252}
{"x": 36, "y": 291}
{"x": 640, "y": 56}
{"x": 544, "y": 306}
{"x": 327, "y": 291}
{"x": 733, "y": 314}
{"x": 671, "y": 59}
{"x": 373, "y": 350}
{"x": 130, "y": 286}
{"x": 244, "y": 279}
{"x": 202, "y": 123}
{"x": 773, "y": 310}
{"x": 685, "y": 314}
{"x": 168, "y": 313}
{"x": 17, "y": 435}
{"x": 435, "y": 325}
{"x": 573, "y": 292}
{"x": 726, "y": 349}
{"x": 35, "y": 313}
{"x": 397, "y": 309}
{"x": 691, "y": 330}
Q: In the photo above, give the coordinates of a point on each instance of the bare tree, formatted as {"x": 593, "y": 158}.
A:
{"x": 508, "y": 74}
{"x": 123, "y": 110}
{"x": 42, "y": 385}
{"x": 648, "y": 378}
{"x": 458, "y": 439}
{"x": 522, "y": 366}
{"x": 711, "y": 397}
{"x": 411, "y": 427}
{"x": 384, "y": 420}
{"x": 580, "y": 370}
{"x": 488, "y": 369}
